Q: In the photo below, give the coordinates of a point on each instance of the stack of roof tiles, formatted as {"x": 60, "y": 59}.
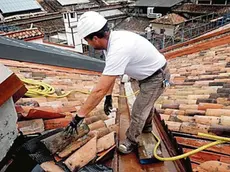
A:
{"x": 198, "y": 101}
{"x": 40, "y": 114}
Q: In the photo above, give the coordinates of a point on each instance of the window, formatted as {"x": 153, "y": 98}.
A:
{"x": 85, "y": 48}
{"x": 162, "y": 31}
{"x": 204, "y": 2}
{"x": 65, "y": 16}
{"x": 218, "y": 2}
{"x": 72, "y": 15}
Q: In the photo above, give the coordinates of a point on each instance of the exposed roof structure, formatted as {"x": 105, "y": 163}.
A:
{"x": 170, "y": 19}
{"x": 72, "y": 2}
{"x": 157, "y": 3}
{"x": 11, "y": 6}
{"x": 43, "y": 54}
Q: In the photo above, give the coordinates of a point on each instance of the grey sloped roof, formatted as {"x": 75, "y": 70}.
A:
{"x": 13, "y": 49}
{"x": 10, "y": 6}
{"x": 157, "y": 3}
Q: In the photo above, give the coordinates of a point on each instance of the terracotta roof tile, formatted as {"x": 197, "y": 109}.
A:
{"x": 63, "y": 80}
{"x": 26, "y": 34}
{"x": 203, "y": 103}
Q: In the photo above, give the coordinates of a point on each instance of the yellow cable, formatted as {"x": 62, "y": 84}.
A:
{"x": 219, "y": 140}
{"x": 38, "y": 89}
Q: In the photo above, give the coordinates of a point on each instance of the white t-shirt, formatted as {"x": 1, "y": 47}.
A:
{"x": 131, "y": 54}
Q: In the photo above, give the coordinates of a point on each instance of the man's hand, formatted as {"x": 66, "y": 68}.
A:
{"x": 108, "y": 104}
{"x": 73, "y": 125}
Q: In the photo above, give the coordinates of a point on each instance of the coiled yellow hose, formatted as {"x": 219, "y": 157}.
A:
{"x": 38, "y": 89}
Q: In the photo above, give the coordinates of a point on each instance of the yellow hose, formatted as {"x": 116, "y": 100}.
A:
{"x": 38, "y": 89}
{"x": 219, "y": 140}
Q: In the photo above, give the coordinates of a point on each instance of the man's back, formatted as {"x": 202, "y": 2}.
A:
{"x": 129, "y": 53}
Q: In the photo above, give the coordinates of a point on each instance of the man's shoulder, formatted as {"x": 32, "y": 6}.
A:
{"x": 119, "y": 33}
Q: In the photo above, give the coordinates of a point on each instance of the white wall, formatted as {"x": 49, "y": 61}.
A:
{"x": 169, "y": 29}
{"x": 70, "y": 20}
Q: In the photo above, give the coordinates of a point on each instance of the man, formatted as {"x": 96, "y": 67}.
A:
{"x": 125, "y": 53}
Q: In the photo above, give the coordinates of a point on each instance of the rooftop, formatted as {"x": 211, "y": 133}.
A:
{"x": 43, "y": 54}
{"x": 199, "y": 101}
{"x": 11, "y": 6}
{"x": 169, "y": 19}
{"x": 201, "y": 9}
{"x": 157, "y": 3}
{"x": 26, "y": 34}
{"x": 134, "y": 24}
{"x": 72, "y": 2}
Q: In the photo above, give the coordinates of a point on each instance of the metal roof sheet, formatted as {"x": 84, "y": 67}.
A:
{"x": 37, "y": 53}
{"x": 11, "y": 6}
{"x": 71, "y": 2}
{"x": 157, "y": 3}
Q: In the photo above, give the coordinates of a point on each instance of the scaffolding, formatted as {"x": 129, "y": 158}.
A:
{"x": 191, "y": 29}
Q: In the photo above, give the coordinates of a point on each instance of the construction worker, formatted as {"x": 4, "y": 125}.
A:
{"x": 125, "y": 53}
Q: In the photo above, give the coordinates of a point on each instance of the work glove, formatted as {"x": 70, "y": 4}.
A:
{"x": 72, "y": 128}
{"x": 108, "y": 104}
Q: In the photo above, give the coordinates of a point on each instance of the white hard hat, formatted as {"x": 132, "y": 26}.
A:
{"x": 90, "y": 22}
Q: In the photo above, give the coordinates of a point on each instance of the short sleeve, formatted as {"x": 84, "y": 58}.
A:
{"x": 117, "y": 59}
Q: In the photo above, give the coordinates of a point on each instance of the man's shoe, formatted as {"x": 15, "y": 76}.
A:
{"x": 147, "y": 129}
{"x": 126, "y": 147}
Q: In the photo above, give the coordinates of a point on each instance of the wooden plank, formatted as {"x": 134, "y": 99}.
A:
{"x": 130, "y": 162}
{"x": 31, "y": 126}
{"x": 146, "y": 144}
{"x": 59, "y": 141}
{"x": 82, "y": 156}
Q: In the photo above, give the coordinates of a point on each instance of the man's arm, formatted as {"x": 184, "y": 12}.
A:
{"x": 103, "y": 87}
{"x": 110, "y": 89}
